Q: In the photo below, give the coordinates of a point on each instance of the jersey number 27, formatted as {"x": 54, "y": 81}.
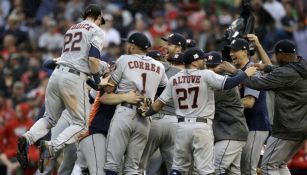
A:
{"x": 184, "y": 95}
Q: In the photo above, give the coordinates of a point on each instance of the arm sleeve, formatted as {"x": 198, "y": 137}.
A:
{"x": 49, "y": 64}
{"x": 117, "y": 73}
{"x": 232, "y": 82}
{"x": 214, "y": 80}
{"x": 251, "y": 92}
{"x": 166, "y": 95}
{"x": 97, "y": 44}
{"x": 275, "y": 80}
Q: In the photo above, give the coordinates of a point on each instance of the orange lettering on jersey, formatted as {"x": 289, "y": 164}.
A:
{"x": 141, "y": 65}
{"x": 130, "y": 65}
{"x": 82, "y": 26}
{"x": 174, "y": 82}
{"x": 158, "y": 70}
{"x": 136, "y": 64}
{"x": 193, "y": 79}
{"x": 146, "y": 66}
{"x": 153, "y": 67}
{"x": 198, "y": 79}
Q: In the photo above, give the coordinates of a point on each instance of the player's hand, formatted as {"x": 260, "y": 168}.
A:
{"x": 228, "y": 67}
{"x": 259, "y": 66}
{"x": 105, "y": 82}
{"x": 132, "y": 97}
{"x": 251, "y": 71}
{"x": 56, "y": 60}
{"x": 253, "y": 38}
{"x": 144, "y": 106}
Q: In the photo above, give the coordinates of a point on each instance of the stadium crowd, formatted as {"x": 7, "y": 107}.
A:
{"x": 32, "y": 31}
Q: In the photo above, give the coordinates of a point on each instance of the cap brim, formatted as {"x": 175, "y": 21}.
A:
{"x": 271, "y": 51}
{"x": 164, "y": 39}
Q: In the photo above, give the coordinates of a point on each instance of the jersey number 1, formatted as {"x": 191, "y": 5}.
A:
{"x": 144, "y": 76}
{"x": 184, "y": 96}
{"x": 74, "y": 39}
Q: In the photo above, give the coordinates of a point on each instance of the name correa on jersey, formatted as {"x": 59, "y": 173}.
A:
{"x": 186, "y": 79}
{"x": 144, "y": 66}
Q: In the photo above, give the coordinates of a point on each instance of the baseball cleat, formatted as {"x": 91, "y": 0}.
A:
{"x": 44, "y": 156}
{"x": 22, "y": 152}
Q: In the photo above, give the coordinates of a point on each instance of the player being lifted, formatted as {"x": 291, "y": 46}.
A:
{"x": 67, "y": 87}
{"x": 192, "y": 91}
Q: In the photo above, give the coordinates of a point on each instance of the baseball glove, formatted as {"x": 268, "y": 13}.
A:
{"x": 144, "y": 106}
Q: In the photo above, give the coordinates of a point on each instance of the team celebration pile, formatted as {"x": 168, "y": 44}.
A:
{"x": 91, "y": 87}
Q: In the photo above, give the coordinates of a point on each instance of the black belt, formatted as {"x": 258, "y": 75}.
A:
{"x": 71, "y": 70}
{"x": 128, "y": 105}
{"x": 198, "y": 119}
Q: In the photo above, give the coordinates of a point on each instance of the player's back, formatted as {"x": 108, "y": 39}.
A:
{"x": 77, "y": 43}
{"x": 193, "y": 92}
{"x": 139, "y": 72}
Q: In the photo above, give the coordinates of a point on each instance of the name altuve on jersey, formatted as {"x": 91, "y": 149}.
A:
{"x": 186, "y": 79}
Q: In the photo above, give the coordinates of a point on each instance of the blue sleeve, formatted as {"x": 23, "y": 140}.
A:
{"x": 232, "y": 82}
{"x": 94, "y": 52}
{"x": 49, "y": 64}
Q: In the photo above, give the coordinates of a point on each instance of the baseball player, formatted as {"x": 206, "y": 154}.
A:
{"x": 176, "y": 43}
{"x": 67, "y": 87}
{"x": 192, "y": 93}
{"x": 93, "y": 142}
{"x": 129, "y": 132}
{"x": 289, "y": 82}
{"x": 229, "y": 124}
{"x": 255, "y": 111}
{"x": 70, "y": 155}
{"x": 163, "y": 124}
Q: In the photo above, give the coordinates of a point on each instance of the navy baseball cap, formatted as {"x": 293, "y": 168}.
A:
{"x": 285, "y": 46}
{"x": 155, "y": 54}
{"x": 239, "y": 44}
{"x": 191, "y": 43}
{"x": 193, "y": 54}
{"x": 178, "y": 58}
{"x": 176, "y": 39}
{"x": 213, "y": 58}
{"x": 140, "y": 40}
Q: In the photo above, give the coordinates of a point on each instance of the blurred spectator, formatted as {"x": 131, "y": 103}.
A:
{"x": 13, "y": 129}
{"x": 182, "y": 27}
{"x": 112, "y": 35}
{"x": 9, "y": 46}
{"x": 140, "y": 26}
{"x": 18, "y": 93}
{"x": 51, "y": 39}
{"x": 276, "y": 9}
{"x": 300, "y": 38}
{"x": 298, "y": 164}
{"x": 6, "y": 111}
{"x": 12, "y": 27}
{"x": 5, "y": 6}
{"x": 289, "y": 23}
{"x": 73, "y": 9}
{"x": 111, "y": 53}
{"x": 159, "y": 28}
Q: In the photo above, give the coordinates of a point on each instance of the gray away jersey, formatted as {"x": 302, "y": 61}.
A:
{"x": 192, "y": 92}
{"x": 77, "y": 43}
{"x": 139, "y": 72}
